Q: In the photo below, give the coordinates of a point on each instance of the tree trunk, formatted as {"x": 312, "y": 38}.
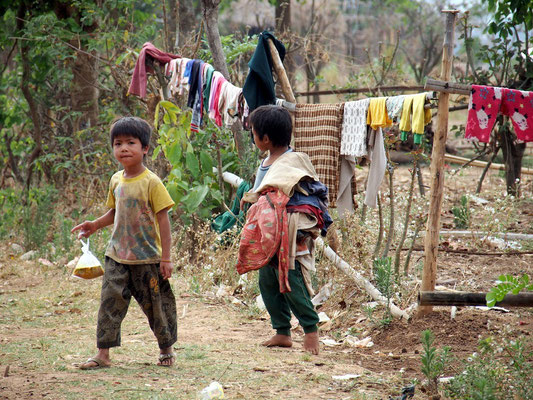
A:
{"x": 210, "y": 14}
{"x": 283, "y": 33}
{"x": 186, "y": 20}
{"x": 84, "y": 91}
{"x": 512, "y": 153}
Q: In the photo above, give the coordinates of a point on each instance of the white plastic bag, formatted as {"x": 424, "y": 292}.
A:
{"x": 88, "y": 266}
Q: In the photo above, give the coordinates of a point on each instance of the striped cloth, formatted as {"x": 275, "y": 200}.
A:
{"x": 317, "y": 132}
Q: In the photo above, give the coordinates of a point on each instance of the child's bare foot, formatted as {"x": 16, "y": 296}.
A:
{"x": 311, "y": 342}
{"x": 100, "y": 360}
{"x": 278, "y": 341}
{"x": 166, "y": 357}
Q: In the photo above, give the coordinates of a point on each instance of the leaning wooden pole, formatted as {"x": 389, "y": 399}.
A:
{"x": 431, "y": 242}
{"x": 283, "y": 79}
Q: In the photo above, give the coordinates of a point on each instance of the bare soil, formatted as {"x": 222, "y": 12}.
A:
{"x": 47, "y": 324}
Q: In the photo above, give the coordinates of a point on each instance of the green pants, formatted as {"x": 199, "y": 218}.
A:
{"x": 279, "y": 305}
{"x": 153, "y": 293}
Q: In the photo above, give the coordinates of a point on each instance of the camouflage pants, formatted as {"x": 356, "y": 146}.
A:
{"x": 153, "y": 293}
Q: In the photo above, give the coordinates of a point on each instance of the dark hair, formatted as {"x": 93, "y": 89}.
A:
{"x": 273, "y": 121}
{"x": 131, "y": 126}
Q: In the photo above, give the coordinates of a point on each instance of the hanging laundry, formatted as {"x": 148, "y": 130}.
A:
{"x": 317, "y": 131}
{"x": 486, "y": 102}
{"x": 216, "y": 86}
{"x": 378, "y": 162}
{"x": 394, "y": 106}
{"x": 414, "y": 116}
{"x": 195, "y": 94}
{"x": 353, "y": 135}
{"x": 377, "y": 116}
{"x": 207, "y": 86}
{"x": 258, "y": 88}
{"x": 228, "y": 103}
{"x": 139, "y": 77}
{"x": 347, "y": 186}
{"x": 483, "y": 107}
{"x": 518, "y": 105}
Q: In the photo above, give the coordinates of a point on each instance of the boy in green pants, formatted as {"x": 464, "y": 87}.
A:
{"x": 138, "y": 255}
{"x": 272, "y": 130}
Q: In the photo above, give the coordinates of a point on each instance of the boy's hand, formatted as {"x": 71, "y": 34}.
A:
{"x": 166, "y": 269}
{"x": 86, "y": 229}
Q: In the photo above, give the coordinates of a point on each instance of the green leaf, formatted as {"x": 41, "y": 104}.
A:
{"x": 192, "y": 163}
{"x": 156, "y": 152}
{"x": 206, "y": 162}
{"x": 174, "y": 154}
{"x": 195, "y": 197}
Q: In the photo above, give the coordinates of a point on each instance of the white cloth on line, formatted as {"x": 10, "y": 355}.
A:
{"x": 353, "y": 134}
{"x": 378, "y": 163}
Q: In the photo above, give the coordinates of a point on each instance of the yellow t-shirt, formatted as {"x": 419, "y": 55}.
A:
{"x": 135, "y": 238}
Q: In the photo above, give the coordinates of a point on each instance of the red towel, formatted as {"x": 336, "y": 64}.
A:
{"x": 138, "y": 79}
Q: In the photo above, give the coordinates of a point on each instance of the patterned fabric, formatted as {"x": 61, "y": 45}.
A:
{"x": 487, "y": 102}
{"x": 394, "y": 106}
{"x": 353, "y": 137}
{"x": 518, "y": 105}
{"x": 153, "y": 293}
{"x": 265, "y": 234}
{"x": 135, "y": 238}
{"x": 317, "y": 132}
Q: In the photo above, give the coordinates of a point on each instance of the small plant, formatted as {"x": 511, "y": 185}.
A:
{"x": 383, "y": 275}
{"x": 433, "y": 361}
{"x": 461, "y": 213}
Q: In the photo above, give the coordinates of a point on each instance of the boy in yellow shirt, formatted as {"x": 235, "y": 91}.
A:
{"x": 138, "y": 255}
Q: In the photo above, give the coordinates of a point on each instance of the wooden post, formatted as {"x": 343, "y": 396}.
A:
{"x": 281, "y": 73}
{"x": 431, "y": 242}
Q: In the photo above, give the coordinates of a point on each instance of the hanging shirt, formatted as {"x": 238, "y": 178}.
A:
{"x": 258, "y": 88}
{"x": 353, "y": 136}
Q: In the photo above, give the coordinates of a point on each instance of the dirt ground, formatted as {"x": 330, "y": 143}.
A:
{"x": 47, "y": 325}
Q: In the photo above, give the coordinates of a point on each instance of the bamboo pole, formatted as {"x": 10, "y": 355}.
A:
{"x": 478, "y": 163}
{"x": 280, "y": 72}
{"x": 472, "y": 299}
{"x": 360, "y": 279}
{"x": 340, "y": 263}
{"x": 431, "y": 242}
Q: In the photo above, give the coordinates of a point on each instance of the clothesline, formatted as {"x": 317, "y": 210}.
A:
{"x": 331, "y": 134}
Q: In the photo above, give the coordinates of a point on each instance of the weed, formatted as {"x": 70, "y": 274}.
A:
{"x": 433, "y": 361}
{"x": 500, "y": 369}
{"x": 383, "y": 275}
{"x": 461, "y": 213}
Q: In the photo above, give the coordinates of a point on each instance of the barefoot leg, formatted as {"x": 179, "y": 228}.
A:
{"x": 311, "y": 342}
{"x": 278, "y": 341}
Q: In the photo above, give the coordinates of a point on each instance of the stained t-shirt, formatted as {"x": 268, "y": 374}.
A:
{"x": 135, "y": 238}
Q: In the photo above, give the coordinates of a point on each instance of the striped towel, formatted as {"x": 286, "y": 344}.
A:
{"x": 317, "y": 132}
